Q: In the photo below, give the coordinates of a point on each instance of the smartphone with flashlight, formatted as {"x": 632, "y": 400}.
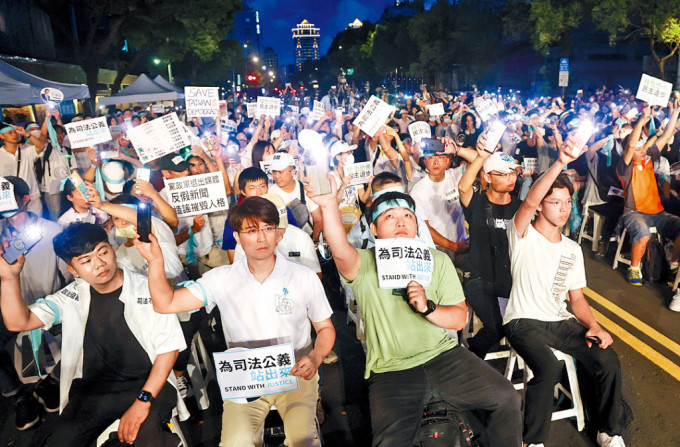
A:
{"x": 431, "y": 145}
{"x": 493, "y": 136}
{"x": 316, "y": 167}
{"x": 78, "y": 182}
{"x": 144, "y": 221}
{"x": 582, "y": 135}
{"x": 22, "y": 243}
{"x": 144, "y": 174}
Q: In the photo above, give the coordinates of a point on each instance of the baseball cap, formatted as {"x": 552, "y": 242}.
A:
{"x": 281, "y": 160}
{"x": 173, "y": 162}
{"x": 275, "y": 134}
{"x": 338, "y": 147}
{"x": 501, "y": 162}
{"x": 280, "y": 206}
{"x": 113, "y": 175}
{"x": 20, "y": 186}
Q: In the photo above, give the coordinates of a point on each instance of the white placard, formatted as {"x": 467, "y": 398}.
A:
{"x": 529, "y": 165}
{"x": 486, "y": 109}
{"x": 493, "y": 136}
{"x": 252, "y": 110}
{"x": 294, "y": 109}
{"x": 401, "y": 261}
{"x": 202, "y": 101}
{"x": 373, "y": 116}
{"x": 158, "y": 108}
{"x": 318, "y": 111}
{"x": 654, "y": 91}
{"x": 197, "y": 194}
{"x": 436, "y": 109}
{"x": 159, "y": 137}
{"x": 228, "y": 125}
{"x": 360, "y": 173}
{"x": 268, "y": 106}
{"x": 87, "y": 133}
{"x": 563, "y": 79}
{"x": 7, "y": 200}
{"x": 115, "y": 131}
{"x": 419, "y": 130}
{"x": 51, "y": 96}
{"x": 244, "y": 373}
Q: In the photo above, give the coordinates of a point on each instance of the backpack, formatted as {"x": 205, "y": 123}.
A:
{"x": 444, "y": 426}
{"x": 299, "y": 209}
{"x": 654, "y": 265}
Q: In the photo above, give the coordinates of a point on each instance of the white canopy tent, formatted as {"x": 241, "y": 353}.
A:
{"x": 142, "y": 90}
{"x": 20, "y": 88}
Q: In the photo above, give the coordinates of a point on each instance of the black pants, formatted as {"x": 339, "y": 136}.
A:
{"x": 9, "y": 380}
{"x": 189, "y": 329}
{"x": 532, "y": 339}
{"x": 89, "y": 413}
{"x": 479, "y": 295}
{"x": 457, "y": 376}
{"x": 612, "y": 211}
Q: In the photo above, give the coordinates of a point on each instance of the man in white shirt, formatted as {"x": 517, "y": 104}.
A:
{"x": 269, "y": 301}
{"x": 18, "y": 160}
{"x": 547, "y": 270}
{"x": 290, "y": 190}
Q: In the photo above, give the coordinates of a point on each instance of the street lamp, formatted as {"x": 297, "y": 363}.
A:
{"x": 255, "y": 59}
{"x": 157, "y": 61}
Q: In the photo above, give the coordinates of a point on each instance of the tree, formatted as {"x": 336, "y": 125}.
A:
{"x": 548, "y": 21}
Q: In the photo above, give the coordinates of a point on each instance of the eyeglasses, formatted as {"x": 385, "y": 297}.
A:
{"x": 505, "y": 176}
{"x": 253, "y": 232}
{"x": 558, "y": 204}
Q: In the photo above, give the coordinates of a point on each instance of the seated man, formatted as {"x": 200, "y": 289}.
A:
{"x": 249, "y": 296}
{"x": 409, "y": 356}
{"x": 117, "y": 352}
{"x": 547, "y": 269}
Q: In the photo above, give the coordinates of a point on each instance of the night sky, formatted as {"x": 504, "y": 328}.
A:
{"x": 278, "y": 17}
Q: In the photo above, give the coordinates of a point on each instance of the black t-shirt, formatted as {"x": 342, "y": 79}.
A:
{"x": 488, "y": 256}
{"x": 111, "y": 352}
{"x": 525, "y": 151}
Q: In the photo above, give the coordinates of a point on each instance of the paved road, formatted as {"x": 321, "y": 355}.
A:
{"x": 647, "y": 339}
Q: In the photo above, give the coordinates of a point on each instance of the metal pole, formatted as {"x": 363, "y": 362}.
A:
{"x": 170, "y": 73}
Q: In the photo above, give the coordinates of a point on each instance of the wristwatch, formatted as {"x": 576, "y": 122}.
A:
{"x": 145, "y": 396}
{"x": 431, "y": 307}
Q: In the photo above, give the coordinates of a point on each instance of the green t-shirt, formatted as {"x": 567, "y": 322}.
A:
{"x": 397, "y": 338}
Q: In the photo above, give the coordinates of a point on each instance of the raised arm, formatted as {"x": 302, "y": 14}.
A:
{"x": 467, "y": 180}
{"x": 635, "y": 135}
{"x": 15, "y": 313}
{"x": 670, "y": 127}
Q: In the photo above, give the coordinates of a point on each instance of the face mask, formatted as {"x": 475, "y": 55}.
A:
{"x": 349, "y": 159}
{"x": 126, "y": 232}
{"x": 36, "y": 133}
{"x": 447, "y": 120}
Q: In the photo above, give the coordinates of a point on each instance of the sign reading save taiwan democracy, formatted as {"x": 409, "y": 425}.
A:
{"x": 87, "y": 133}
{"x": 401, "y": 261}
{"x": 243, "y": 373}
{"x": 197, "y": 194}
{"x": 202, "y": 101}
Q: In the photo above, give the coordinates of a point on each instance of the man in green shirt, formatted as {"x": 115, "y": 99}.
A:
{"x": 410, "y": 357}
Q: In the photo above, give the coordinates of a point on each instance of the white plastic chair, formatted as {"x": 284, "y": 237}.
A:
{"x": 48, "y": 356}
{"x": 199, "y": 361}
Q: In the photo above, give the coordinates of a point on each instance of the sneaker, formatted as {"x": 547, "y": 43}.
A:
{"x": 26, "y": 409}
{"x": 673, "y": 269}
{"x": 183, "y": 386}
{"x": 535, "y": 445}
{"x": 331, "y": 358}
{"x": 675, "y": 302}
{"x": 604, "y": 440}
{"x": 47, "y": 393}
{"x": 634, "y": 276}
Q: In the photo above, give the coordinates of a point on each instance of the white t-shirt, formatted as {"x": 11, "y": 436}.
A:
{"x": 276, "y": 311}
{"x": 542, "y": 274}
{"x": 93, "y": 216}
{"x": 439, "y": 204}
{"x": 296, "y": 245}
{"x": 8, "y": 166}
{"x": 57, "y": 167}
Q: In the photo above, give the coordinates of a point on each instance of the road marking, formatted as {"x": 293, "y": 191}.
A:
{"x": 635, "y": 322}
{"x": 641, "y": 347}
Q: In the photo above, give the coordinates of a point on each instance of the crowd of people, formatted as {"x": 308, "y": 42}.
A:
{"x": 498, "y": 218}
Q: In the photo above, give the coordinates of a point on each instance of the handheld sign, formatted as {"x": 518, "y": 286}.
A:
{"x": 197, "y": 194}
{"x": 373, "y": 115}
{"x": 360, "y": 173}
{"x": 7, "y": 200}
{"x": 582, "y": 135}
{"x": 436, "y": 109}
{"x": 268, "y": 106}
{"x": 402, "y": 260}
{"x": 529, "y": 165}
{"x": 654, "y": 91}
{"x": 419, "y": 130}
{"x": 494, "y": 136}
{"x": 87, "y": 133}
{"x": 202, "y": 101}
{"x": 51, "y": 96}
{"x": 252, "y": 110}
{"x": 158, "y": 108}
{"x": 247, "y": 373}
{"x": 486, "y": 109}
{"x": 159, "y": 137}
{"x": 318, "y": 111}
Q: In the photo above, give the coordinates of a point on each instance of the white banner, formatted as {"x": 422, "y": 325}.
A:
{"x": 318, "y": 111}
{"x": 158, "y": 108}
{"x": 158, "y": 137}
{"x": 529, "y": 165}
{"x": 435, "y": 109}
{"x": 87, "y": 133}
{"x": 268, "y": 106}
{"x": 654, "y": 91}
{"x": 419, "y": 130}
{"x": 228, "y": 125}
{"x": 360, "y": 173}
{"x": 401, "y": 261}
{"x": 7, "y": 200}
{"x": 202, "y": 101}
{"x": 486, "y": 109}
{"x": 252, "y": 110}
{"x": 197, "y": 194}
{"x": 373, "y": 116}
{"x": 244, "y": 373}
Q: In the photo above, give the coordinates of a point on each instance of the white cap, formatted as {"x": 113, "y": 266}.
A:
{"x": 281, "y": 160}
{"x": 280, "y": 207}
{"x": 275, "y": 134}
{"x": 338, "y": 147}
{"x": 500, "y": 162}
{"x": 113, "y": 175}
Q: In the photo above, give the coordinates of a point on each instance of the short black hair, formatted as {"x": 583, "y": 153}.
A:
{"x": 385, "y": 178}
{"x": 125, "y": 199}
{"x": 562, "y": 181}
{"x": 251, "y": 210}
{"x": 390, "y": 196}
{"x": 251, "y": 174}
{"x": 77, "y": 239}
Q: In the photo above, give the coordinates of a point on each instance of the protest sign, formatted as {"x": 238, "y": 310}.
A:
{"x": 197, "y": 194}
{"x": 228, "y": 125}
{"x": 243, "y": 373}
{"x": 486, "y": 109}
{"x": 159, "y": 137}
{"x": 115, "y": 131}
{"x": 318, "y": 111}
{"x": 268, "y": 106}
{"x": 252, "y": 110}
{"x": 419, "y": 130}
{"x": 402, "y": 260}
{"x": 158, "y": 108}
{"x": 529, "y": 165}
{"x": 436, "y": 109}
{"x": 654, "y": 91}
{"x": 294, "y": 109}
{"x": 373, "y": 116}
{"x": 360, "y": 173}
{"x": 7, "y": 200}
{"x": 87, "y": 133}
{"x": 202, "y": 101}
{"x": 51, "y": 96}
